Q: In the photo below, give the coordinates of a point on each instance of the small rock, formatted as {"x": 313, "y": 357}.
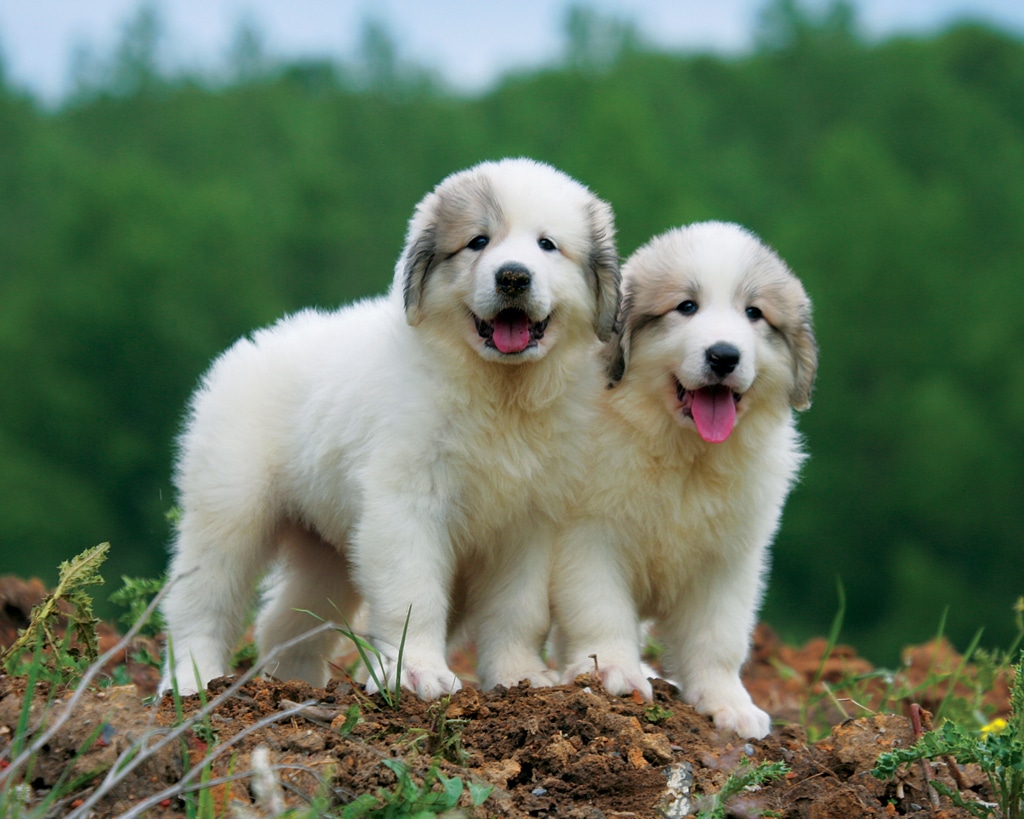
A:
{"x": 675, "y": 802}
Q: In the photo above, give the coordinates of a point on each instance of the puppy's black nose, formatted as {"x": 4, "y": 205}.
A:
{"x": 512, "y": 279}
{"x": 722, "y": 358}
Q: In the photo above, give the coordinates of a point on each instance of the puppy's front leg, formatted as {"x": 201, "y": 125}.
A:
{"x": 404, "y": 566}
{"x": 596, "y": 625}
{"x": 509, "y": 607}
{"x": 708, "y": 639}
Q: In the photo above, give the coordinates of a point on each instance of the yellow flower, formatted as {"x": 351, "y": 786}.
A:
{"x": 997, "y": 726}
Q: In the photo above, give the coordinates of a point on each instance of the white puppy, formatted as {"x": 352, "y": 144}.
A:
{"x": 694, "y": 453}
{"x": 411, "y": 451}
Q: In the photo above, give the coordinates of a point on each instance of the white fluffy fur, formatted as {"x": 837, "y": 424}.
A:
{"x": 387, "y": 454}
{"x": 671, "y": 528}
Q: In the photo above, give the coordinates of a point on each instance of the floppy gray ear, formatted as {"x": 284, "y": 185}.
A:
{"x": 804, "y": 347}
{"x": 616, "y": 350}
{"x": 604, "y": 266}
{"x": 417, "y": 261}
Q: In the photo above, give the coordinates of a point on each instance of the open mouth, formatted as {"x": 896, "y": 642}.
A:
{"x": 511, "y": 331}
{"x": 712, "y": 408}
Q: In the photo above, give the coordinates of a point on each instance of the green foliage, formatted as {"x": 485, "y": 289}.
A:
{"x": 998, "y": 751}
{"x": 409, "y": 800}
{"x": 65, "y": 657}
{"x": 152, "y": 219}
{"x": 372, "y": 660}
{"x": 245, "y": 654}
{"x": 16, "y": 795}
{"x": 39, "y": 721}
{"x": 655, "y": 714}
{"x": 746, "y": 776}
{"x": 444, "y": 737}
{"x": 963, "y": 688}
{"x": 352, "y": 716}
{"x": 54, "y": 662}
{"x": 135, "y": 595}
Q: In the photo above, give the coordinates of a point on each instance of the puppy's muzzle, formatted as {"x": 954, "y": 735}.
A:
{"x": 512, "y": 280}
{"x": 722, "y": 358}
{"x": 511, "y": 330}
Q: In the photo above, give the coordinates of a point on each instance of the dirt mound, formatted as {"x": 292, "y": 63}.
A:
{"x": 569, "y": 751}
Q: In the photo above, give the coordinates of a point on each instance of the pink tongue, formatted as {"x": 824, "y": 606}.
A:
{"x": 511, "y": 331}
{"x": 714, "y": 413}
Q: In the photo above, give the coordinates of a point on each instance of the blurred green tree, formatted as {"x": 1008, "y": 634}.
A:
{"x": 155, "y": 217}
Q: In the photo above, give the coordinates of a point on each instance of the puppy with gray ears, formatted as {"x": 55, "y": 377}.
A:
{"x": 411, "y": 452}
{"x": 694, "y": 452}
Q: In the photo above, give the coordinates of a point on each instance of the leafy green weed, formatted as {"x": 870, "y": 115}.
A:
{"x": 998, "y": 751}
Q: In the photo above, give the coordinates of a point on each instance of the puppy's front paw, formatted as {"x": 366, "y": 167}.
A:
{"x": 190, "y": 679}
{"x": 428, "y": 681}
{"x": 748, "y": 721}
{"x": 720, "y": 695}
{"x": 617, "y": 679}
{"x": 167, "y": 687}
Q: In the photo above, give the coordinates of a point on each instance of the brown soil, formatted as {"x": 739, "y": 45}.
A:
{"x": 569, "y": 751}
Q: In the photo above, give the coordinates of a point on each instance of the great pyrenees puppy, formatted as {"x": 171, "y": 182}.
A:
{"x": 694, "y": 452}
{"x": 412, "y": 451}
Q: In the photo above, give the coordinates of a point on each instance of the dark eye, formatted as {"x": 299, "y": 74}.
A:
{"x": 545, "y": 243}
{"x": 754, "y": 313}
{"x": 478, "y": 243}
{"x": 687, "y": 308}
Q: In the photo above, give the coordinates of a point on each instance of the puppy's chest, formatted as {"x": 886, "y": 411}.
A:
{"x": 686, "y": 515}
{"x": 509, "y": 465}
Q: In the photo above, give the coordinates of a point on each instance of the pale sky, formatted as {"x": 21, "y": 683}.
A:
{"x": 469, "y": 43}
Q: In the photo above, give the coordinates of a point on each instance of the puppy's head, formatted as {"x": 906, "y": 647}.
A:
{"x": 511, "y": 257}
{"x": 714, "y": 323}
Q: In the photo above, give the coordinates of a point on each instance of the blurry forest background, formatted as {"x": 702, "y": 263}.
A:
{"x": 153, "y": 217}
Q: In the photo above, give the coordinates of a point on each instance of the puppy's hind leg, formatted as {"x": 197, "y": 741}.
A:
{"x": 311, "y": 584}
{"x": 217, "y": 562}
